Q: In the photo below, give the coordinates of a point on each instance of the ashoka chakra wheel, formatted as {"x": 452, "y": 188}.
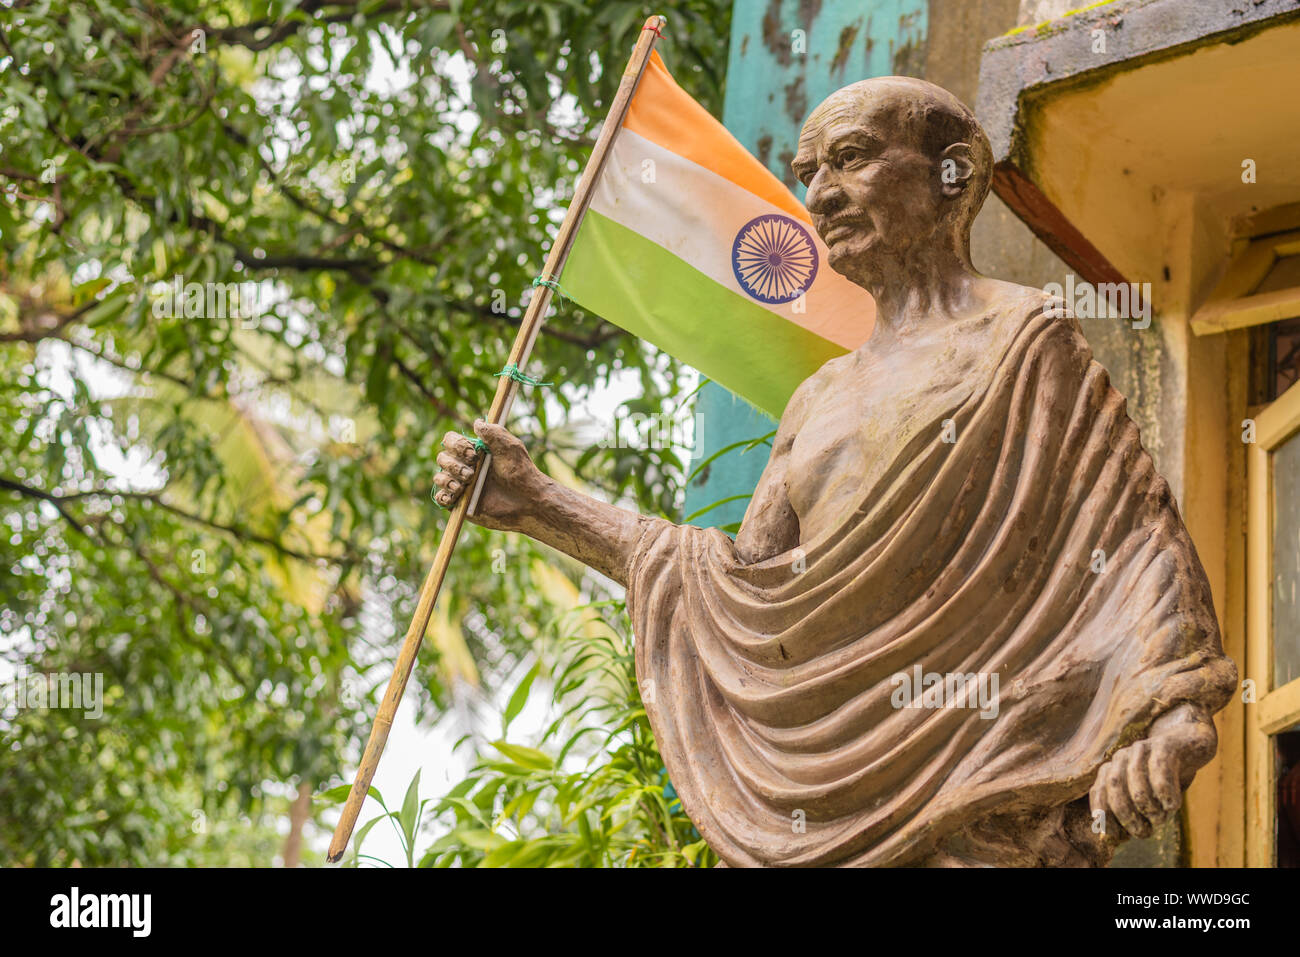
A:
{"x": 774, "y": 258}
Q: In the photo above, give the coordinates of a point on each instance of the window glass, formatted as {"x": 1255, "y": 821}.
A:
{"x": 1284, "y": 356}
{"x": 1286, "y": 561}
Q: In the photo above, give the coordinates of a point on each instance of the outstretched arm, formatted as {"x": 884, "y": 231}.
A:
{"x": 517, "y": 497}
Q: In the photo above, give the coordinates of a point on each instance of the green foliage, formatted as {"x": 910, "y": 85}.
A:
{"x": 208, "y": 509}
{"x": 406, "y": 822}
{"x": 592, "y": 793}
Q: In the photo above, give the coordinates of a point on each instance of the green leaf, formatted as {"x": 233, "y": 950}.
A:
{"x": 361, "y": 836}
{"x": 480, "y": 839}
{"x": 519, "y": 698}
{"x": 334, "y": 795}
{"x": 410, "y": 810}
{"x": 692, "y": 852}
{"x": 744, "y": 444}
{"x": 712, "y": 505}
{"x": 466, "y": 805}
{"x": 525, "y": 757}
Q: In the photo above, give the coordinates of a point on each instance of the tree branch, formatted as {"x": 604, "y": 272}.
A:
{"x": 247, "y": 34}
{"x": 59, "y": 501}
{"x": 32, "y": 331}
{"x": 41, "y": 495}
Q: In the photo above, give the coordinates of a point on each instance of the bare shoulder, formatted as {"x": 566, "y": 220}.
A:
{"x": 1013, "y": 308}
{"x": 1008, "y": 306}
{"x": 1013, "y": 301}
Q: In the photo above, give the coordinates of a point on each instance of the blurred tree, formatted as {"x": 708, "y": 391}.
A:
{"x": 226, "y": 511}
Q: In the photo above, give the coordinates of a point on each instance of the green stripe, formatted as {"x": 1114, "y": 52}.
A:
{"x": 642, "y": 287}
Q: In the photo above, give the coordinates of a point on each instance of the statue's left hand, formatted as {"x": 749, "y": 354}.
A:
{"x": 1141, "y": 786}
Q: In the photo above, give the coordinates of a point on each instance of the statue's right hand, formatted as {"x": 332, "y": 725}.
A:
{"x": 512, "y": 483}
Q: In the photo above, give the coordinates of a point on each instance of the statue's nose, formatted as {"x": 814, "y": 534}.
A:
{"x": 824, "y": 194}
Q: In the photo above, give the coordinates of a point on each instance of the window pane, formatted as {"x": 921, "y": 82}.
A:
{"x": 1286, "y": 561}
{"x": 1284, "y": 355}
{"x": 1288, "y": 798}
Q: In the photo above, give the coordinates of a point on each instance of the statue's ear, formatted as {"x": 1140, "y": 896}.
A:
{"x": 956, "y": 166}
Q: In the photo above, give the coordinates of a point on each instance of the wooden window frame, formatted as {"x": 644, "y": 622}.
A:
{"x": 1233, "y": 304}
{"x": 1274, "y": 709}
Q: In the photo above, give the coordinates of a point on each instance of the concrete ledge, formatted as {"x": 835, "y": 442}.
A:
{"x": 1060, "y": 51}
{"x": 1026, "y": 67}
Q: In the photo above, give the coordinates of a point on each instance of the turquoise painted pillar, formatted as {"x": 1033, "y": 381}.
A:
{"x": 786, "y": 57}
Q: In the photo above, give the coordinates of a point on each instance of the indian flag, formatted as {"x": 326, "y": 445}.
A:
{"x": 692, "y": 244}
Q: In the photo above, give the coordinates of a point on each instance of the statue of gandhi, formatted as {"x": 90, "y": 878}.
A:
{"x": 961, "y": 501}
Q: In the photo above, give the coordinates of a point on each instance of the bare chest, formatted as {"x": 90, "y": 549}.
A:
{"x": 871, "y": 413}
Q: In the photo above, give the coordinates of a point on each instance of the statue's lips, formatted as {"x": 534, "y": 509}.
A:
{"x": 839, "y": 229}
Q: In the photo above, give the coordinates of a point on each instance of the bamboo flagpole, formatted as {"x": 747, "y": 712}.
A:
{"x": 507, "y": 388}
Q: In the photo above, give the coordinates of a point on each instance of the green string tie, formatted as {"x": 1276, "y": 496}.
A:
{"x": 553, "y": 284}
{"x": 511, "y": 371}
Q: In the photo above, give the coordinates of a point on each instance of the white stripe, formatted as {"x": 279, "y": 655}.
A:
{"x": 696, "y": 215}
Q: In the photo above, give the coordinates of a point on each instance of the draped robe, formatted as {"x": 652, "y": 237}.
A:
{"x": 1040, "y": 545}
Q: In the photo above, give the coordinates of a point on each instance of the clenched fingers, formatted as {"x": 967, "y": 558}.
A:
{"x": 461, "y": 448}
{"x": 454, "y": 466}
{"x": 1110, "y": 793}
{"x": 456, "y": 461}
{"x": 1139, "y": 784}
{"x": 1164, "y": 781}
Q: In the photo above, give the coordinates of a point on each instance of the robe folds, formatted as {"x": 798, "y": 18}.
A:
{"x": 1040, "y": 546}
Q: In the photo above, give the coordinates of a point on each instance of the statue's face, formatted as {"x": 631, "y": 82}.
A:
{"x": 871, "y": 191}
